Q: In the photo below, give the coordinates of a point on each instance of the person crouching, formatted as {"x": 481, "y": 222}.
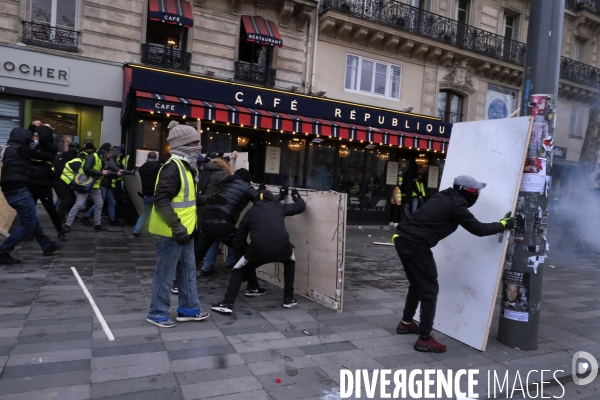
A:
{"x": 269, "y": 242}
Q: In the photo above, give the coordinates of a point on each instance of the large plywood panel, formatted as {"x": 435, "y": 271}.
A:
{"x": 469, "y": 267}
{"x": 318, "y": 235}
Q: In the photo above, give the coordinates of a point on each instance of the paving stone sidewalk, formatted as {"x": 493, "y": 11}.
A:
{"x": 52, "y": 347}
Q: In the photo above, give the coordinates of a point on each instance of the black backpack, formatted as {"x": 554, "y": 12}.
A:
{"x": 203, "y": 179}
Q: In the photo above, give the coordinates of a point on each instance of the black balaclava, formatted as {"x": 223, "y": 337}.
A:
{"x": 470, "y": 197}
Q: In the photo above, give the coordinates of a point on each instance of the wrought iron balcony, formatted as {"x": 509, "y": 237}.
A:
{"x": 254, "y": 73}
{"x": 433, "y": 26}
{"x": 589, "y": 5}
{"x": 579, "y": 72}
{"x": 53, "y": 37}
{"x": 166, "y": 57}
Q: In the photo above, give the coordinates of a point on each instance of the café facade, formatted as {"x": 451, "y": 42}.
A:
{"x": 305, "y": 141}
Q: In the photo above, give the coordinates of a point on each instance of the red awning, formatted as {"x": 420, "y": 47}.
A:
{"x": 291, "y": 123}
{"x": 261, "y": 30}
{"x": 176, "y": 12}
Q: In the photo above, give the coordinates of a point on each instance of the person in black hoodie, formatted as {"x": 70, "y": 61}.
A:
{"x": 41, "y": 177}
{"x": 219, "y": 220}
{"x": 16, "y": 167}
{"x": 269, "y": 242}
{"x": 422, "y": 230}
{"x": 148, "y": 174}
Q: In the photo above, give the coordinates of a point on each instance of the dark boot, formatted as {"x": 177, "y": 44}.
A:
{"x": 429, "y": 345}
{"x": 406, "y": 329}
{"x": 86, "y": 221}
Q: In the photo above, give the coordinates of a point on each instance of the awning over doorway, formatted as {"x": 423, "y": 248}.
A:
{"x": 176, "y": 12}
{"x": 261, "y": 30}
{"x": 285, "y": 123}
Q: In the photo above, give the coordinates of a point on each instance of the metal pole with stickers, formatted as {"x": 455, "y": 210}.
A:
{"x": 522, "y": 277}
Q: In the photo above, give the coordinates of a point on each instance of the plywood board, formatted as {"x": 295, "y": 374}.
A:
{"x": 318, "y": 235}
{"x": 469, "y": 267}
{"x": 7, "y": 214}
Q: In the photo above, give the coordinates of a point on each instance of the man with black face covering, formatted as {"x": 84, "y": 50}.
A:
{"x": 422, "y": 230}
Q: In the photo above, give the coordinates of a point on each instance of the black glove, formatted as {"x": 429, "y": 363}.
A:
{"x": 216, "y": 198}
{"x": 180, "y": 234}
{"x": 295, "y": 195}
{"x": 283, "y": 192}
{"x": 140, "y": 194}
{"x": 262, "y": 186}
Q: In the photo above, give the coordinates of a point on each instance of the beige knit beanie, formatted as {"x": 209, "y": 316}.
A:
{"x": 180, "y": 135}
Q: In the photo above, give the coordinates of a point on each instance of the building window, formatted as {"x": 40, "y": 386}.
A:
{"x": 462, "y": 11}
{"x": 450, "y": 106}
{"x": 511, "y": 27}
{"x": 166, "y": 35}
{"x": 576, "y": 122}
{"x": 370, "y": 76}
{"x": 254, "y": 61}
{"x": 577, "y": 49}
{"x": 422, "y": 4}
{"x": 59, "y": 13}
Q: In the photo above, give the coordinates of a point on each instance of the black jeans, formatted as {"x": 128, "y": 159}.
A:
{"x": 421, "y": 272}
{"x": 248, "y": 273}
{"x": 211, "y": 232}
{"x": 396, "y": 212}
{"x": 65, "y": 195}
{"x": 44, "y": 194}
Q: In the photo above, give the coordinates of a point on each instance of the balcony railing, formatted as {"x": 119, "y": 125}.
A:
{"x": 589, "y": 5}
{"x": 424, "y": 23}
{"x": 166, "y": 57}
{"x": 579, "y": 72}
{"x": 53, "y": 37}
{"x": 254, "y": 73}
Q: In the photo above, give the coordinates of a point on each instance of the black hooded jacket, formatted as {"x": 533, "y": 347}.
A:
{"x": 440, "y": 216}
{"x": 41, "y": 171}
{"x": 16, "y": 164}
{"x": 238, "y": 194}
{"x": 269, "y": 240}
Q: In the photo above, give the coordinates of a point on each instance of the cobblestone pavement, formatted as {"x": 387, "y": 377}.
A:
{"x": 52, "y": 347}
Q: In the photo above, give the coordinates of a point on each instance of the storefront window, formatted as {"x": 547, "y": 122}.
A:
{"x": 71, "y": 122}
{"x": 375, "y": 198}
{"x": 150, "y": 137}
{"x": 216, "y": 141}
{"x": 291, "y": 170}
{"x": 351, "y": 174}
{"x": 9, "y": 117}
{"x": 321, "y": 166}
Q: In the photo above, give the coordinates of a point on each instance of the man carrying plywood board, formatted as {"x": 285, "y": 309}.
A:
{"x": 415, "y": 237}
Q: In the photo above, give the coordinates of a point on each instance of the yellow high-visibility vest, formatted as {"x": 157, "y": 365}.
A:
{"x": 398, "y": 197}
{"x": 68, "y": 173}
{"x": 184, "y": 204}
{"x": 97, "y": 167}
{"x": 420, "y": 188}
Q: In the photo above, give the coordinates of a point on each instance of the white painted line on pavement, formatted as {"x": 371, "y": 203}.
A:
{"x": 105, "y": 327}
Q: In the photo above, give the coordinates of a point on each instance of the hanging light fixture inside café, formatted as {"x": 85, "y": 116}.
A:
{"x": 243, "y": 140}
{"x": 422, "y": 160}
{"x": 296, "y": 144}
{"x": 344, "y": 151}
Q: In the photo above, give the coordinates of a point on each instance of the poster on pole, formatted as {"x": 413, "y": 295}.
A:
{"x": 433, "y": 177}
{"x": 515, "y": 292}
{"x": 391, "y": 176}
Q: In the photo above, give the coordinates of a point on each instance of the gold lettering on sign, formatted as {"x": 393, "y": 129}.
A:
{"x": 353, "y": 114}
{"x": 406, "y": 125}
{"x": 442, "y": 129}
{"x": 429, "y": 128}
{"x": 294, "y": 105}
{"x": 418, "y": 123}
{"x": 276, "y": 102}
{"x": 338, "y": 113}
{"x": 367, "y": 116}
{"x": 258, "y": 100}
{"x": 239, "y": 96}
{"x": 394, "y": 122}
{"x": 381, "y": 119}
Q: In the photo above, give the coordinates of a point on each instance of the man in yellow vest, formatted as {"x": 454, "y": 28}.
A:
{"x": 173, "y": 220}
{"x": 418, "y": 193}
{"x": 93, "y": 167}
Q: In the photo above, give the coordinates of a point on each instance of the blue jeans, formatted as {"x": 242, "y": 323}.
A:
{"x": 145, "y": 215}
{"x": 109, "y": 199}
{"x": 414, "y": 204}
{"x": 23, "y": 204}
{"x": 173, "y": 259}
{"x": 211, "y": 257}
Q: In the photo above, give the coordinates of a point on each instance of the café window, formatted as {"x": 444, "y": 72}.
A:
{"x": 166, "y": 35}
{"x": 57, "y": 13}
{"x": 350, "y": 176}
{"x": 254, "y": 52}
{"x": 364, "y": 75}
{"x": 321, "y": 163}
{"x": 450, "y": 106}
